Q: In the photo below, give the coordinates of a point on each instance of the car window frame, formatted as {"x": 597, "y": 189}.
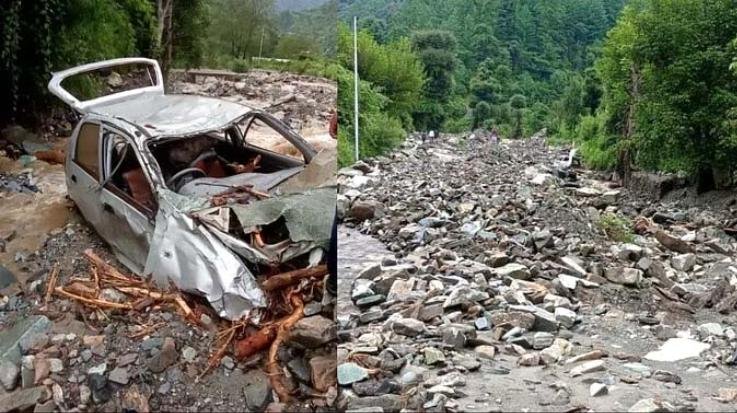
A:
{"x": 100, "y": 160}
{"x": 113, "y": 189}
{"x": 308, "y": 152}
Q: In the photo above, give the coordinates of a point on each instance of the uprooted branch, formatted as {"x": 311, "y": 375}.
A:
{"x": 285, "y": 325}
{"x": 87, "y": 291}
{"x": 286, "y": 279}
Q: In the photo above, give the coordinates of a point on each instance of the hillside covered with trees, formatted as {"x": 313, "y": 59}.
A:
{"x": 645, "y": 85}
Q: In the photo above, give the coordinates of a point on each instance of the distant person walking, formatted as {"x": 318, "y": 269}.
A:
{"x": 494, "y": 137}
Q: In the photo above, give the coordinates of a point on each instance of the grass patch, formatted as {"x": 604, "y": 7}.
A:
{"x": 617, "y": 228}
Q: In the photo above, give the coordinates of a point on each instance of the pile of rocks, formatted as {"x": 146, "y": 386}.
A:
{"x": 507, "y": 277}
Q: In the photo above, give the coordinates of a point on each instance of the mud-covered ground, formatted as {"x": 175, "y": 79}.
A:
{"x": 499, "y": 279}
{"x": 88, "y": 360}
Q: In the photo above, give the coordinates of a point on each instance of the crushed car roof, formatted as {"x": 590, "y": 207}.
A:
{"x": 173, "y": 115}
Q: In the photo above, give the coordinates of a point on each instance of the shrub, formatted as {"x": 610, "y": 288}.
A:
{"x": 618, "y": 229}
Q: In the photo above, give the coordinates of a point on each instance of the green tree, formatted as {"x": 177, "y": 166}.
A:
{"x": 436, "y": 50}
{"x": 481, "y": 114}
{"x": 518, "y": 104}
{"x": 666, "y": 90}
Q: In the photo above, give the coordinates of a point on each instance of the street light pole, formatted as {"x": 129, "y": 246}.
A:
{"x": 355, "y": 86}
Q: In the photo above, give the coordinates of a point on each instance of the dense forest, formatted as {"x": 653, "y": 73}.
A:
{"x": 38, "y": 37}
{"x": 646, "y": 85}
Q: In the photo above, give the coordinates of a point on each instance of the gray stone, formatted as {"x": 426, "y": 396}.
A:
{"x": 711, "y": 329}
{"x": 542, "y": 340}
{"x": 21, "y": 332}
{"x": 385, "y": 402}
{"x": 370, "y": 272}
{"x": 588, "y": 367}
{"x": 487, "y": 352}
{"x": 684, "y": 262}
{"x": 408, "y": 327}
{"x": 6, "y": 277}
{"x": 227, "y": 362}
{"x": 638, "y": 368}
{"x": 624, "y": 275}
{"x": 651, "y": 406}
{"x": 298, "y": 367}
{"x": 464, "y": 294}
{"x": 21, "y": 400}
{"x": 119, "y": 375}
{"x": 257, "y": 390}
{"x": 454, "y": 337}
{"x": 598, "y": 389}
{"x": 9, "y": 374}
{"x": 565, "y": 317}
{"x": 544, "y": 320}
{"x": 98, "y": 369}
{"x": 370, "y": 300}
{"x": 189, "y": 354}
{"x": 56, "y": 365}
{"x": 362, "y": 288}
{"x": 164, "y": 358}
{"x": 313, "y": 332}
{"x": 629, "y": 252}
{"x": 513, "y": 318}
{"x": 482, "y": 323}
{"x": 151, "y": 343}
{"x": 497, "y": 260}
{"x": 349, "y": 373}
{"x": 573, "y": 265}
{"x": 514, "y": 270}
{"x": 433, "y": 355}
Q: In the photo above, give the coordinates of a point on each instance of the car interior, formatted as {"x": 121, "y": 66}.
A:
{"x": 126, "y": 174}
{"x": 213, "y": 158}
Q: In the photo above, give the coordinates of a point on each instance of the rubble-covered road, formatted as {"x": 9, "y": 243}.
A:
{"x": 510, "y": 282}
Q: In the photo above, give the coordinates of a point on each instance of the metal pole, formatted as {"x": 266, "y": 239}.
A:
{"x": 355, "y": 81}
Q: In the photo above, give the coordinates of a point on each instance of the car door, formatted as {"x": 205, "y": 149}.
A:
{"x": 84, "y": 174}
{"x": 127, "y": 199}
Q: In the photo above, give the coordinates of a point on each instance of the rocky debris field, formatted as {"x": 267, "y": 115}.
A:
{"x": 512, "y": 281}
{"x": 303, "y": 102}
{"x": 57, "y": 354}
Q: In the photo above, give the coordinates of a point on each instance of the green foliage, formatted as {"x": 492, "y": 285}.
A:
{"x": 291, "y": 46}
{"x": 677, "y": 53}
{"x": 503, "y": 47}
{"x": 598, "y": 149}
{"x": 436, "y": 49}
{"x": 380, "y": 130}
{"x": 142, "y": 17}
{"x": 314, "y": 26}
{"x": 393, "y": 69}
{"x": 191, "y": 20}
{"x": 481, "y": 114}
{"x": 617, "y": 228}
{"x": 38, "y": 37}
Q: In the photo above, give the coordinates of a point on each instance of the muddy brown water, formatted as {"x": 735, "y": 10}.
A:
{"x": 30, "y": 217}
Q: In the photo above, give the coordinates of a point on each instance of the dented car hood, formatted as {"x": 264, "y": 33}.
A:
{"x": 193, "y": 247}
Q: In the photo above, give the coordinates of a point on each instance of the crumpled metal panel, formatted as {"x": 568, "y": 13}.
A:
{"x": 196, "y": 261}
{"x": 260, "y": 181}
{"x": 308, "y": 215}
{"x": 273, "y": 254}
{"x": 175, "y": 115}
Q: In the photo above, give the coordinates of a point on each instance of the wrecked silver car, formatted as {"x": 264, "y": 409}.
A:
{"x": 180, "y": 189}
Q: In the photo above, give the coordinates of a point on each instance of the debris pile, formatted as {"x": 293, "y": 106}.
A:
{"x": 515, "y": 280}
